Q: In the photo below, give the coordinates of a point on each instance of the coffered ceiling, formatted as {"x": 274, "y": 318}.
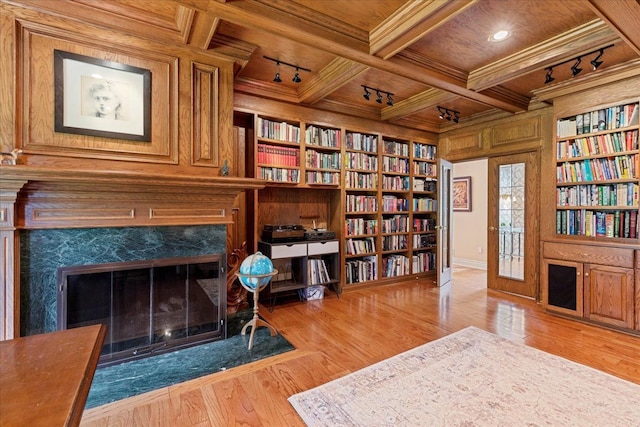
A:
{"x": 427, "y": 53}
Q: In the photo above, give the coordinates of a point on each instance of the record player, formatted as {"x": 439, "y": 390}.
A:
{"x": 282, "y": 233}
{"x": 319, "y": 234}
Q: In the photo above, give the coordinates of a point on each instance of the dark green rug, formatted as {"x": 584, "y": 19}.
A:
{"x": 128, "y": 379}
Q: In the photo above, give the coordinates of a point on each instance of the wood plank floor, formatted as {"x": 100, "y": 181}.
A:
{"x": 334, "y": 337}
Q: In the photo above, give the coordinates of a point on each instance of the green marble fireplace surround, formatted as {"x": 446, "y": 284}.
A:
{"x": 43, "y": 251}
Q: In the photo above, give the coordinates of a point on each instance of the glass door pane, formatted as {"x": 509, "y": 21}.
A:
{"x": 511, "y": 203}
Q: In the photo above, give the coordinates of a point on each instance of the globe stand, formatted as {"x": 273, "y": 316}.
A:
{"x": 261, "y": 281}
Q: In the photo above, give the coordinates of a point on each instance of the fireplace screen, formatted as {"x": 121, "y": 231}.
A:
{"x": 149, "y": 306}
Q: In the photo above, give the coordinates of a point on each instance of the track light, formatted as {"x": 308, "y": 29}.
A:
{"x": 296, "y": 77}
{"x": 595, "y": 63}
{"x": 548, "y": 78}
{"x": 379, "y": 93}
{"x": 574, "y": 68}
{"x": 449, "y": 115}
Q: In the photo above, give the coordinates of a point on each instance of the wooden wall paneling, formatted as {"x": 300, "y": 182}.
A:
{"x": 463, "y": 144}
{"x": 7, "y": 82}
{"x": 521, "y": 132}
{"x": 204, "y": 136}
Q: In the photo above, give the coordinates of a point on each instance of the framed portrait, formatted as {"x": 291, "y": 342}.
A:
{"x": 101, "y": 98}
{"x": 462, "y": 194}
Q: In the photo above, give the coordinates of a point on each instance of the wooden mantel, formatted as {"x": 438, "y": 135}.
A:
{"x": 52, "y": 198}
{"x": 33, "y": 197}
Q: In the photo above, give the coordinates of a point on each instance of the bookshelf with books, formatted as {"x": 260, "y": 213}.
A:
{"x": 590, "y": 263}
{"x": 277, "y": 150}
{"x": 424, "y": 207}
{"x": 323, "y": 158}
{"x": 394, "y": 197}
{"x": 361, "y": 207}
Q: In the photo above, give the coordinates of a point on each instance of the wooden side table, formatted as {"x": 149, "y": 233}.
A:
{"x": 45, "y": 379}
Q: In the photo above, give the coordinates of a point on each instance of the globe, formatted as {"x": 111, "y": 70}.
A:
{"x": 255, "y": 265}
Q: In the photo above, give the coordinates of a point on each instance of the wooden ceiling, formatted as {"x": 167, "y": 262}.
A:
{"x": 428, "y": 53}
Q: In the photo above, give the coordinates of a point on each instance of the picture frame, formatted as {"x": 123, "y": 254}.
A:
{"x": 101, "y": 98}
{"x": 462, "y": 194}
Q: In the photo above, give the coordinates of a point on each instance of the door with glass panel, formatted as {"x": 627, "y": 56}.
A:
{"x": 512, "y": 258}
{"x": 445, "y": 231}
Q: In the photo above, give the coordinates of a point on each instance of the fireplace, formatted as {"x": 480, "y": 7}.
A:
{"x": 149, "y": 307}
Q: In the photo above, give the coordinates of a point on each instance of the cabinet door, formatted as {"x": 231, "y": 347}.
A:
{"x": 609, "y": 295}
{"x": 562, "y": 286}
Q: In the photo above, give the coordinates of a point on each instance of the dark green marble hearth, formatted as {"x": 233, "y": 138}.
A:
{"x": 140, "y": 376}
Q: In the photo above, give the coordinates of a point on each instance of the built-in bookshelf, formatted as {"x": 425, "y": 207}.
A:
{"x": 361, "y": 207}
{"x": 277, "y": 150}
{"x": 424, "y": 207}
{"x": 597, "y": 176}
{"x": 323, "y": 161}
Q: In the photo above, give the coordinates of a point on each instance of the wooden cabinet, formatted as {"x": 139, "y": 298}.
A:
{"x": 600, "y": 290}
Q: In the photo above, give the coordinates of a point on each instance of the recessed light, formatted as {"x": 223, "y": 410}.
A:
{"x": 499, "y": 36}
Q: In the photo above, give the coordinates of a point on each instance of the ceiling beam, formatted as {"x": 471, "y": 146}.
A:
{"x": 416, "y": 103}
{"x": 565, "y": 46}
{"x": 623, "y": 16}
{"x": 411, "y": 22}
{"x": 257, "y": 15}
{"x": 203, "y": 27}
{"x": 338, "y": 73}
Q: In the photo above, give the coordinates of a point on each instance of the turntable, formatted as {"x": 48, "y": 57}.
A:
{"x": 274, "y": 233}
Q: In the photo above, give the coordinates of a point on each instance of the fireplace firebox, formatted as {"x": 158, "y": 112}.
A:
{"x": 149, "y": 307}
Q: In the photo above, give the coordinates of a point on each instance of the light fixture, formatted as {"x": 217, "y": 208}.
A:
{"x": 498, "y": 36}
{"x": 575, "y": 68}
{"x": 379, "y": 93}
{"x": 549, "y": 78}
{"x": 296, "y": 77}
{"x": 449, "y": 115}
{"x": 595, "y": 63}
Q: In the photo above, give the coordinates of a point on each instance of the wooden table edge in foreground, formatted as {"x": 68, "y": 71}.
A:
{"x": 45, "y": 379}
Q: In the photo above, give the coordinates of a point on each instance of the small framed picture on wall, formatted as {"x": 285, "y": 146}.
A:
{"x": 462, "y": 194}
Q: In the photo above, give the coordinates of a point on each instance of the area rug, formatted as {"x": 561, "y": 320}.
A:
{"x": 472, "y": 378}
{"x": 128, "y": 379}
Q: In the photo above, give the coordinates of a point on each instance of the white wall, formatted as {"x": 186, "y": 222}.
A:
{"x": 470, "y": 228}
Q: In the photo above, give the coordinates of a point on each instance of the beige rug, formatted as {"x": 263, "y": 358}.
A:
{"x": 472, "y": 378}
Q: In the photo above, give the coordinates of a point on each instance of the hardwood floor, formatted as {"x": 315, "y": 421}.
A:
{"x": 334, "y": 337}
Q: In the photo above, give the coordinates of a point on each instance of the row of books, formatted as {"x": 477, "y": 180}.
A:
{"x": 597, "y": 223}
{"x": 316, "y": 159}
{"x": 424, "y": 224}
{"x": 395, "y": 183}
{"x": 396, "y": 242}
{"x": 360, "y": 226}
{"x": 281, "y": 131}
{"x": 317, "y": 273}
{"x": 395, "y": 164}
{"x": 425, "y": 261}
{"x": 362, "y": 142}
{"x": 598, "y": 144}
{"x": 395, "y": 265}
{"x": 605, "y": 119}
{"x": 396, "y": 224}
{"x": 425, "y": 204}
{"x": 320, "y": 177}
{"x": 361, "y": 161}
{"x": 361, "y": 270}
{"x": 421, "y": 241}
{"x": 420, "y": 184}
{"x": 360, "y": 180}
{"x": 424, "y": 151}
{"x": 279, "y": 174}
{"x": 272, "y": 155}
{"x": 621, "y": 194}
{"x": 425, "y": 168}
{"x": 361, "y": 246}
{"x": 323, "y": 137}
{"x": 394, "y": 204}
{"x": 396, "y": 148}
{"x": 361, "y": 203}
{"x": 599, "y": 169}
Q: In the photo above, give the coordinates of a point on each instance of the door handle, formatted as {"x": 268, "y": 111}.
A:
{"x": 493, "y": 229}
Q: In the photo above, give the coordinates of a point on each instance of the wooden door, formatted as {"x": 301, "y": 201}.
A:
{"x": 513, "y": 254}
{"x": 445, "y": 212}
{"x": 609, "y": 295}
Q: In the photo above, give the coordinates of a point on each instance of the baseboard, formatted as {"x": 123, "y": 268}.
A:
{"x": 471, "y": 263}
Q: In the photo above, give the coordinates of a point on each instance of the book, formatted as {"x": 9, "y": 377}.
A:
{"x": 600, "y": 224}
